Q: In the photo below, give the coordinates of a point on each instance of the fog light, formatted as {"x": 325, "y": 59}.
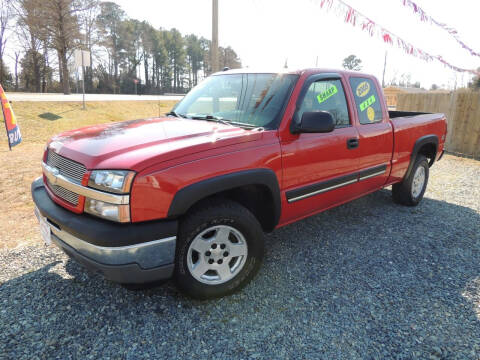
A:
{"x": 120, "y": 213}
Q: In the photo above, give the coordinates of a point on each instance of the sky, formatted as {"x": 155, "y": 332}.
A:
{"x": 267, "y": 33}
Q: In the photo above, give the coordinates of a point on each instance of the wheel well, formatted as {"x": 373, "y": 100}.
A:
{"x": 429, "y": 151}
{"x": 256, "y": 198}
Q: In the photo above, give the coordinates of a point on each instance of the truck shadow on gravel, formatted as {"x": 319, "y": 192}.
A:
{"x": 369, "y": 279}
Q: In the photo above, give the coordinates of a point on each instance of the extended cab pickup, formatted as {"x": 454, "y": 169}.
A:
{"x": 191, "y": 194}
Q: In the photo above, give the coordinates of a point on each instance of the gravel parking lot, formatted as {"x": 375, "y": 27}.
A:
{"x": 369, "y": 279}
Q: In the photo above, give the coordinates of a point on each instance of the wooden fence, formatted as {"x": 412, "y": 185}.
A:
{"x": 462, "y": 109}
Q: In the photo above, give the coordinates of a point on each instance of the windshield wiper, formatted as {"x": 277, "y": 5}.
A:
{"x": 210, "y": 118}
{"x": 221, "y": 120}
{"x": 174, "y": 113}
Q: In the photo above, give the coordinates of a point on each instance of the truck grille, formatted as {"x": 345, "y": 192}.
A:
{"x": 64, "y": 194}
{"x": 66, "y": 167}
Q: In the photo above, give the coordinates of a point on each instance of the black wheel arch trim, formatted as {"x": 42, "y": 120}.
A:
{"x": 186, "y": 197}
{"x": 424, "y": 140}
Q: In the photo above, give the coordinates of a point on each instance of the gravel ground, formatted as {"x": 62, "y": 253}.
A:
{"x": 369, "y": 279}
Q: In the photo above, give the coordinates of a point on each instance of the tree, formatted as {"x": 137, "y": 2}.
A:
{"x": 88, "y": 26}
{"x": 62, "y": 29}
{"x": 6, "y": 17}
{"x": 131, "y": 54}
{"x": 160, "y": 59}
{"x": 109, "y": 21}
{"x": 32, "y": 65}
{"x": 405, "y": 80}
{"x": 16, "y": 58}
{"x": 176, "y": 52}
{"x": 29, "y": 30}
{"x": 195, "y": 55}
{"x": 7, "y": 77}
{"x": 124, "y": 49}
{"x": 147, "y": 39}
{"x": 228, "y": 58}
{"x": 434, "y": 87}
{"x": 352, "y": 62}
{"x": 475, "y": 84}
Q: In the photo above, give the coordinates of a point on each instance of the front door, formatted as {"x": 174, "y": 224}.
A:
{"x": 319, "y": 170}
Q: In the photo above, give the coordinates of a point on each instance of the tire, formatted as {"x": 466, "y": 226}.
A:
{"x": 219, "y": 249}
{"x": 411, "y": 190}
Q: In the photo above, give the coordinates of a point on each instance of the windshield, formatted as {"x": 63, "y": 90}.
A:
{"x": 254, "y": 100}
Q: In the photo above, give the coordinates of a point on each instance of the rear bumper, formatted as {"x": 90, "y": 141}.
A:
{"x": 125, "y": 253}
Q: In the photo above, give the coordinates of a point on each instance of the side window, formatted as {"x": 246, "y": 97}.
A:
{"x": 327, "y": 95}
{"x": 367, "y": 100}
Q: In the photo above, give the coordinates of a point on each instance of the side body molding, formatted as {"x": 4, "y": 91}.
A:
{"x": 424, "y": 140}
{"x": 191, "y": 194}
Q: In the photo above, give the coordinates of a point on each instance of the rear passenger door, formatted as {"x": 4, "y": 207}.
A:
{"x": 375, "y": 133}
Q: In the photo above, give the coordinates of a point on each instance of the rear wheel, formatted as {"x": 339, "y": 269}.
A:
{"x": 411, "y": 190}
{"x": 219, "y": 249}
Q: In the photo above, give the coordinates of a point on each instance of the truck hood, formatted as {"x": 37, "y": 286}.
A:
{"x": 137, "y": 144}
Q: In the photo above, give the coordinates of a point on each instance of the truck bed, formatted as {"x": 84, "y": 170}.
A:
{"x": 397, "y": 114}
{"x": 408, "y": 127}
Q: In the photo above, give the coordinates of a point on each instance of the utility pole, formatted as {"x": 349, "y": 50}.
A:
{"x": 214, "y": 49}
{"x": 384, "y": 67}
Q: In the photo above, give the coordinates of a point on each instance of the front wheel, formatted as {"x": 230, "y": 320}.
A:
{"x": 411, "y": 190}
{"x": 219, "y": 249}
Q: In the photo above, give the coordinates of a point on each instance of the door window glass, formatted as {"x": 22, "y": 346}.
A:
{"x": 367, "y": 100}
{"x": 327, "y": 95}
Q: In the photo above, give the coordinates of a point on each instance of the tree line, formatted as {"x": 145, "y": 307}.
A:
{"x": 40, "y": 36}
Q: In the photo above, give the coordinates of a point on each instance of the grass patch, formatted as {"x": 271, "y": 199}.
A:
{"x": 38, "y": 122}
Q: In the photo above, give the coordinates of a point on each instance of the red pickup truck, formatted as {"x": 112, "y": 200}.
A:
{"x": 191, "y": 194}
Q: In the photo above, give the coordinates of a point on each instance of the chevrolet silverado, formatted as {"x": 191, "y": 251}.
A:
{"x": 191, "y": 194}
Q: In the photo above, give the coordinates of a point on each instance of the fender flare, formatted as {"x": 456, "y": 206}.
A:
{"x": 189, "y": 195}
{"x": 424, "y": 140}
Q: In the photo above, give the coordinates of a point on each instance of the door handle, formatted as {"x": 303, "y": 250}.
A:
{"x": 352, "y": 143}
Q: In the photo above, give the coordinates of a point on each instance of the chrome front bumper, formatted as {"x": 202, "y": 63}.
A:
{"x": 125, "y": 253}
{"x": 147, "y": 255}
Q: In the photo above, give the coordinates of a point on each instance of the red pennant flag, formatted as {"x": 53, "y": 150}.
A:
{"x": 13, "y": 131}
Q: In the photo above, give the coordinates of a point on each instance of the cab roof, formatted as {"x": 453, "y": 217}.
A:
{"x": 307, "y": 71}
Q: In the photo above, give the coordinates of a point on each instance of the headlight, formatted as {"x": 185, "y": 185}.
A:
{"x": 115, "y": 181}
{"x": 120, "y": 213}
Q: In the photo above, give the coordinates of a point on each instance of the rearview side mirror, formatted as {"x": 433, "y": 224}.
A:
{"x": 315, "y": 122}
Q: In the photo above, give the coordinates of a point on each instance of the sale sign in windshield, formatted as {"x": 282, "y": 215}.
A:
{"x": 13, "y": 131}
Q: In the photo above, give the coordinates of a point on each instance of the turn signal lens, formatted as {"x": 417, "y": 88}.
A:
{"x": 120, "y": 213}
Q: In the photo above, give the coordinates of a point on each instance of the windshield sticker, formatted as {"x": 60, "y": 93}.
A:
{"x": 363, "y": 89}
{"x": 327, "y": 94}
{"x": 364, "y": 105}
{"x": 370, "y": 114}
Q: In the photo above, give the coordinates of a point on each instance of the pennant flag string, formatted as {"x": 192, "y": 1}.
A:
{"x": 424, "y": 17}
{"x": 357, "y": 19}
